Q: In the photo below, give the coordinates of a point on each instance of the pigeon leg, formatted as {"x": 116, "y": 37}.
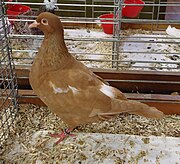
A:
{"x": 65, "y": 133}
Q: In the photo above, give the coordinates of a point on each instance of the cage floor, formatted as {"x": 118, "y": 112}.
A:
{"x": 139, "y": 49}
{"x": 101, "y": 148}
{"x": 124, "y": 139}
{"x": 156, "y": 50}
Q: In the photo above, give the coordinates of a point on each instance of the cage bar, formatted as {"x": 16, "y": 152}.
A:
{"x": 8, "y": 84}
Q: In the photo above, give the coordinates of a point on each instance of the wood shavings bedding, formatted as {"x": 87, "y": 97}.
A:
{"x": 94, "y": 48}
{"x": 29, "y": 141}
{"x": 6, "y": 120}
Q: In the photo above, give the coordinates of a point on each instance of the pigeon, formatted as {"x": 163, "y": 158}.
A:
{"x": 50, "y": 6}
{"x": 22, "y": 27}
{"x": 69, "y": 88}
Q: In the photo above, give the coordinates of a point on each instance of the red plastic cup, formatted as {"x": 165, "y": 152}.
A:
{"x": 108, "y": 28}
{"x": 14, "y": 10}
{"x": 132, "y": 11}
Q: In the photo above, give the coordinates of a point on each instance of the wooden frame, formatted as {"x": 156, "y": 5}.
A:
{"x": 153, "y": 88}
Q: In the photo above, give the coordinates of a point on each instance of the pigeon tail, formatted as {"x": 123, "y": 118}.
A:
{"x": 132, "y": 107}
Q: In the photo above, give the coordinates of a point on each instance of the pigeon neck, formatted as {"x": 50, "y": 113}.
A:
{"x": 54, "y": 51}
{"x": 55, "y": 41}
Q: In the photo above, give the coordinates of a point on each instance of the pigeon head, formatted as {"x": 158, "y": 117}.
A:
{"x": 48, "y": 23}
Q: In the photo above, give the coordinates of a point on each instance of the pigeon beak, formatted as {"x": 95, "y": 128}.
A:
{"x": 34, "y": 24}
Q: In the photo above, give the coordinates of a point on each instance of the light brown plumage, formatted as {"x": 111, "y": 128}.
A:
{"x": 69, "y": 88}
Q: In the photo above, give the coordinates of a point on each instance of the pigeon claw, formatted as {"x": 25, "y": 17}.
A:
{"x": 65, "y": 134}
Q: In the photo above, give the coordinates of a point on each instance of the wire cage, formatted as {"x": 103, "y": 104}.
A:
{"x": 8, "y": 84}
{"x": 143, "y": 40}
{"x": 139, "y": 53}
{"x": 138, "y": 38}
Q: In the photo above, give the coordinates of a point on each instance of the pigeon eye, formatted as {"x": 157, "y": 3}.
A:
{"x": 44, "y": 21}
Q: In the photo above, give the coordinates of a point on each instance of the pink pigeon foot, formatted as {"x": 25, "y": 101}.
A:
{"x": 65, "y": 133}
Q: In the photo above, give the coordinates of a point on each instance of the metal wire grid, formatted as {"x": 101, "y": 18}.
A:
{"x": 86, "y": 12}
{"x": 8, "y": 85}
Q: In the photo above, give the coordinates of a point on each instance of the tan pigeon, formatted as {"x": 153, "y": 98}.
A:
{"x": 69, "y": 88}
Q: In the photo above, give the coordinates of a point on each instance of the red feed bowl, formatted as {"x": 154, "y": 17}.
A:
{"x": 132, "y": 11}
{"x": 15, "y": 10}
{"x": 127, "y": 11}
{"x": 108, "y": 28}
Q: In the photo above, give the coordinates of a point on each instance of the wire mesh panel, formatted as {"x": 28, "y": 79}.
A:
{"x": 8, "y": 85}
{"x": 139, "y": 37}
